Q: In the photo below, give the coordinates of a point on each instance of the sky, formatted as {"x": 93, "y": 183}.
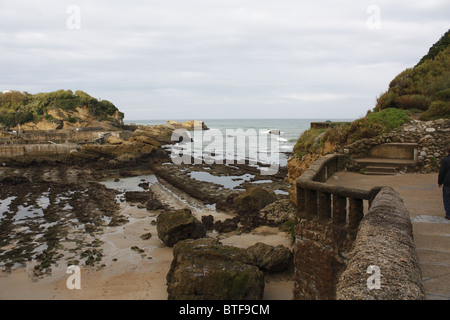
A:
{"x": 218, "y": 59}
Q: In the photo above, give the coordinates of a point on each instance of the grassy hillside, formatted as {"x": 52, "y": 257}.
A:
{"x": 425, "y": 88}
{"x": 422, "y": 91}
{"x": 20, "y": 107}
{"x": 372, "y": 125}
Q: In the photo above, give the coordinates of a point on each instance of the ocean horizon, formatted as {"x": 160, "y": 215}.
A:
{"x": 289, "y": 132}
{"x": 290, "y": 129}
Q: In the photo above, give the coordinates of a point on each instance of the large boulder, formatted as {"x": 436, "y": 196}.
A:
{"x": 174, "y": 226}
{"x": 249, "y": 202}
{"x": 254, "y": 199}
{"x": 227, "y": 225}
{"x": 269, "y": 258}
{"x": 204, "y": 269}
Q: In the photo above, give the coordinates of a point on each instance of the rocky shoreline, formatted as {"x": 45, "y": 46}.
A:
{"x": 62, "y": 212}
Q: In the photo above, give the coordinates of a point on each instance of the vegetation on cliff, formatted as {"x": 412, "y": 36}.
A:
{"x": 20, "y": 107}
{"x": 372, "y": 125}
{"x": 421, "y": 92}
{"x": 424, "y": 88}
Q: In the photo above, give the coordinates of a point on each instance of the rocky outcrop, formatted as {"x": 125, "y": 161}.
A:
{"x": 174, "y": 226}
{"x": 205, "y": 269}
{"x": 188, "y": 125}
{"x": 80, "y": 117}
{"x": 105, "y": 144}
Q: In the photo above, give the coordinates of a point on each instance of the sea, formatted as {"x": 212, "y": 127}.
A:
{"x": 257, "y": 140}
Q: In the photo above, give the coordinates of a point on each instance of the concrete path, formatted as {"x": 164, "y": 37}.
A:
{"x": 423, "y": 199}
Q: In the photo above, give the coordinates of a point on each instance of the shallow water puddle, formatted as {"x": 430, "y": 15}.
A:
{"x": 228, "y": 182}
{"x": 30, "y": 212}
{"x": 4, "y": 205}
{"x": 130, "y": 183}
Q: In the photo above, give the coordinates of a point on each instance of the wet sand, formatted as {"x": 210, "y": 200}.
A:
{"x": 134, "y": 268}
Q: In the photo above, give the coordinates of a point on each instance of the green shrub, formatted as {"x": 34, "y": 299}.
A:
{"x": 389, "y": 99}
{"x": 442, "y": 95}
{"x": 388, "y": 119}
{"x": 307, "y": 142}
{"x": 413, "y": 101}
{"x": 438, "y": 109}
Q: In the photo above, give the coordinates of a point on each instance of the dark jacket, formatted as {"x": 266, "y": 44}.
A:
{"x": 444, "y": 171}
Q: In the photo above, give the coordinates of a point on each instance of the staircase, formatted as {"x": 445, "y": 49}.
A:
{"x": 384, "y": 159}
{"x": 383, "y": 166}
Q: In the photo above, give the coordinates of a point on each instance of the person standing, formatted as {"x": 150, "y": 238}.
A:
{"x": 444, "y": 181}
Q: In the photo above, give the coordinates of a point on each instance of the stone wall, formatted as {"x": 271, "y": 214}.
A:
{"x": 430, "y": 136}
{"x": 59, "y": 136}
{"x": 328, "y": 218}
{"x": 35, "y": 150}
{"x": 326, "y": 255}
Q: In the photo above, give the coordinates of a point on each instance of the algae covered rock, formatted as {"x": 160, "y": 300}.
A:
{"x": 249, "y": 202}
{"x": 254, "y": 199}
{"x": 204, "y": 269}
{"x": 173, "y": 226}
{"x": 269, "y": 258}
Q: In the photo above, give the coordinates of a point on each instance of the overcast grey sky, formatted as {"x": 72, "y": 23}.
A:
{"x": 213, "y": 59}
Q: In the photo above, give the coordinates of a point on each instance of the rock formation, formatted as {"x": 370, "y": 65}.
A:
{"x": 278, "y": 212}
{"x": 174, "y": 226}
{"x": 205, "y": 269}
{"x": 249, "y": 202}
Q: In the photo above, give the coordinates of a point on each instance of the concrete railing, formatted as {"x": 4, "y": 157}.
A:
{"x": 336, "y": 242}
{"x": 317, "y": 198}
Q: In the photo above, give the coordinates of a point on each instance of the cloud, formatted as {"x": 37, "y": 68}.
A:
{"x": 317, "y": 97}
{"x": 201, "y": 58}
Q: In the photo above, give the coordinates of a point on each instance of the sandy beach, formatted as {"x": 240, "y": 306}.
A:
{"x": 134, "y": 268}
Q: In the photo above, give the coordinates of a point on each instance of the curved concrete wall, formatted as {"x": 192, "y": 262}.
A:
{"x": 383, "y": 264}
{"x": 336, "y": 244}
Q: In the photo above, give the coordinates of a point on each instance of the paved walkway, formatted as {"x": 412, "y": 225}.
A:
{"x": 423, "y": 199}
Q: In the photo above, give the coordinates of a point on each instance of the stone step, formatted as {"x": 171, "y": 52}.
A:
{"x": 384, "y": 162}
{"x": 381, "y": 170}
